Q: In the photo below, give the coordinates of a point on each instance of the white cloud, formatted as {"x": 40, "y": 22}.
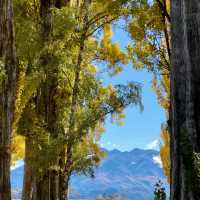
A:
{"x": 153, "y": 145}
{"x": 157, "y": 160}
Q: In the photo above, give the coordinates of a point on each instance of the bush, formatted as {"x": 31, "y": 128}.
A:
{"x": 159, "y": 191}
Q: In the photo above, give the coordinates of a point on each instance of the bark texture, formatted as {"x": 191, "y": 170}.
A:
{"x": 7, "y": 94}
{"x": 46, "y": 187}
{"x": 185, "y": 98}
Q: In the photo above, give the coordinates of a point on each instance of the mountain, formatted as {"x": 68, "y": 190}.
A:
{"x": 131, "y": 174}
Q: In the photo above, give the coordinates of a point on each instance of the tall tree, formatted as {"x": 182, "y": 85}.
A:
{"x": 7, "y": 93}
{"x": 185, "y": 95}
{"x": 45, "y": 108}
{"x": 65, "y": 58}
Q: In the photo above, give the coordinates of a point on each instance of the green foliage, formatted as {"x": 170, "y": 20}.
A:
{"x": 146, "y": 31}
{"x": 28, "y": 41}
{"x": 47, "y": 77}
{"x": 159, "y": 191}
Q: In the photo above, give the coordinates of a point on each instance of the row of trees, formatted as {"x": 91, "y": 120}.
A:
{"x": 53, "y": 106}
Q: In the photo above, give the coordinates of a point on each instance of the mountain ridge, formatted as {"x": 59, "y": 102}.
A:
{"x": 132, "y": 174}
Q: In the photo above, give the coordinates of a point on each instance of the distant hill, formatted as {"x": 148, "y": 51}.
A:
{"x": 131, "y": 174}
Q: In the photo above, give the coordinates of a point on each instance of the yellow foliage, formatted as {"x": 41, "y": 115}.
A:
{"x": 165, "y": 152}
{"x": 168, "y": 5}
{"x": 111, "y": 52}
{"x": 107, "y": 31}
{"x": 162, "y": 94}
{"x": 136, "y": 31}
{"x": 20, "y": 88}
{"x": 18, "y": 148}
{"x": 26, "y": 86}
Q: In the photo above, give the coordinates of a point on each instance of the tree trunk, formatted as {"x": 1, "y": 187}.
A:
{"x": 64, "y": 175}
{"x": 185, "y": 98}
{"x": 64, "y": 187}
{"x": 51, "y": 180}
{"x": 67, "y": 154}
{"x": 7, "y": 94}
{"x": 28, "y": 181}
{"x": 46, "y": 187}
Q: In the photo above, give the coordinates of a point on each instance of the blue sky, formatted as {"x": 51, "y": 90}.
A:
{"x": 141, "y": 129}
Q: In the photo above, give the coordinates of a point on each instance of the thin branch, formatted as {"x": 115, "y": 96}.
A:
{"x": 164, "y": 10}
{"x": 100, "y": 26}
{"x": 96, "y": 18}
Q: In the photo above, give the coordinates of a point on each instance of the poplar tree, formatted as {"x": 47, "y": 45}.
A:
{"x": 184, "y": 99}
{"x": 8, "y": 65}
{"x": 59, "y": 113}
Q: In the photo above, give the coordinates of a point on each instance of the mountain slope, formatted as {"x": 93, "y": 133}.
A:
{"x": 132, "y": 174}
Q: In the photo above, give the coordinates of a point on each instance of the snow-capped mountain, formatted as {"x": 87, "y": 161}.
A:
{"x": 132, "y": 174}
